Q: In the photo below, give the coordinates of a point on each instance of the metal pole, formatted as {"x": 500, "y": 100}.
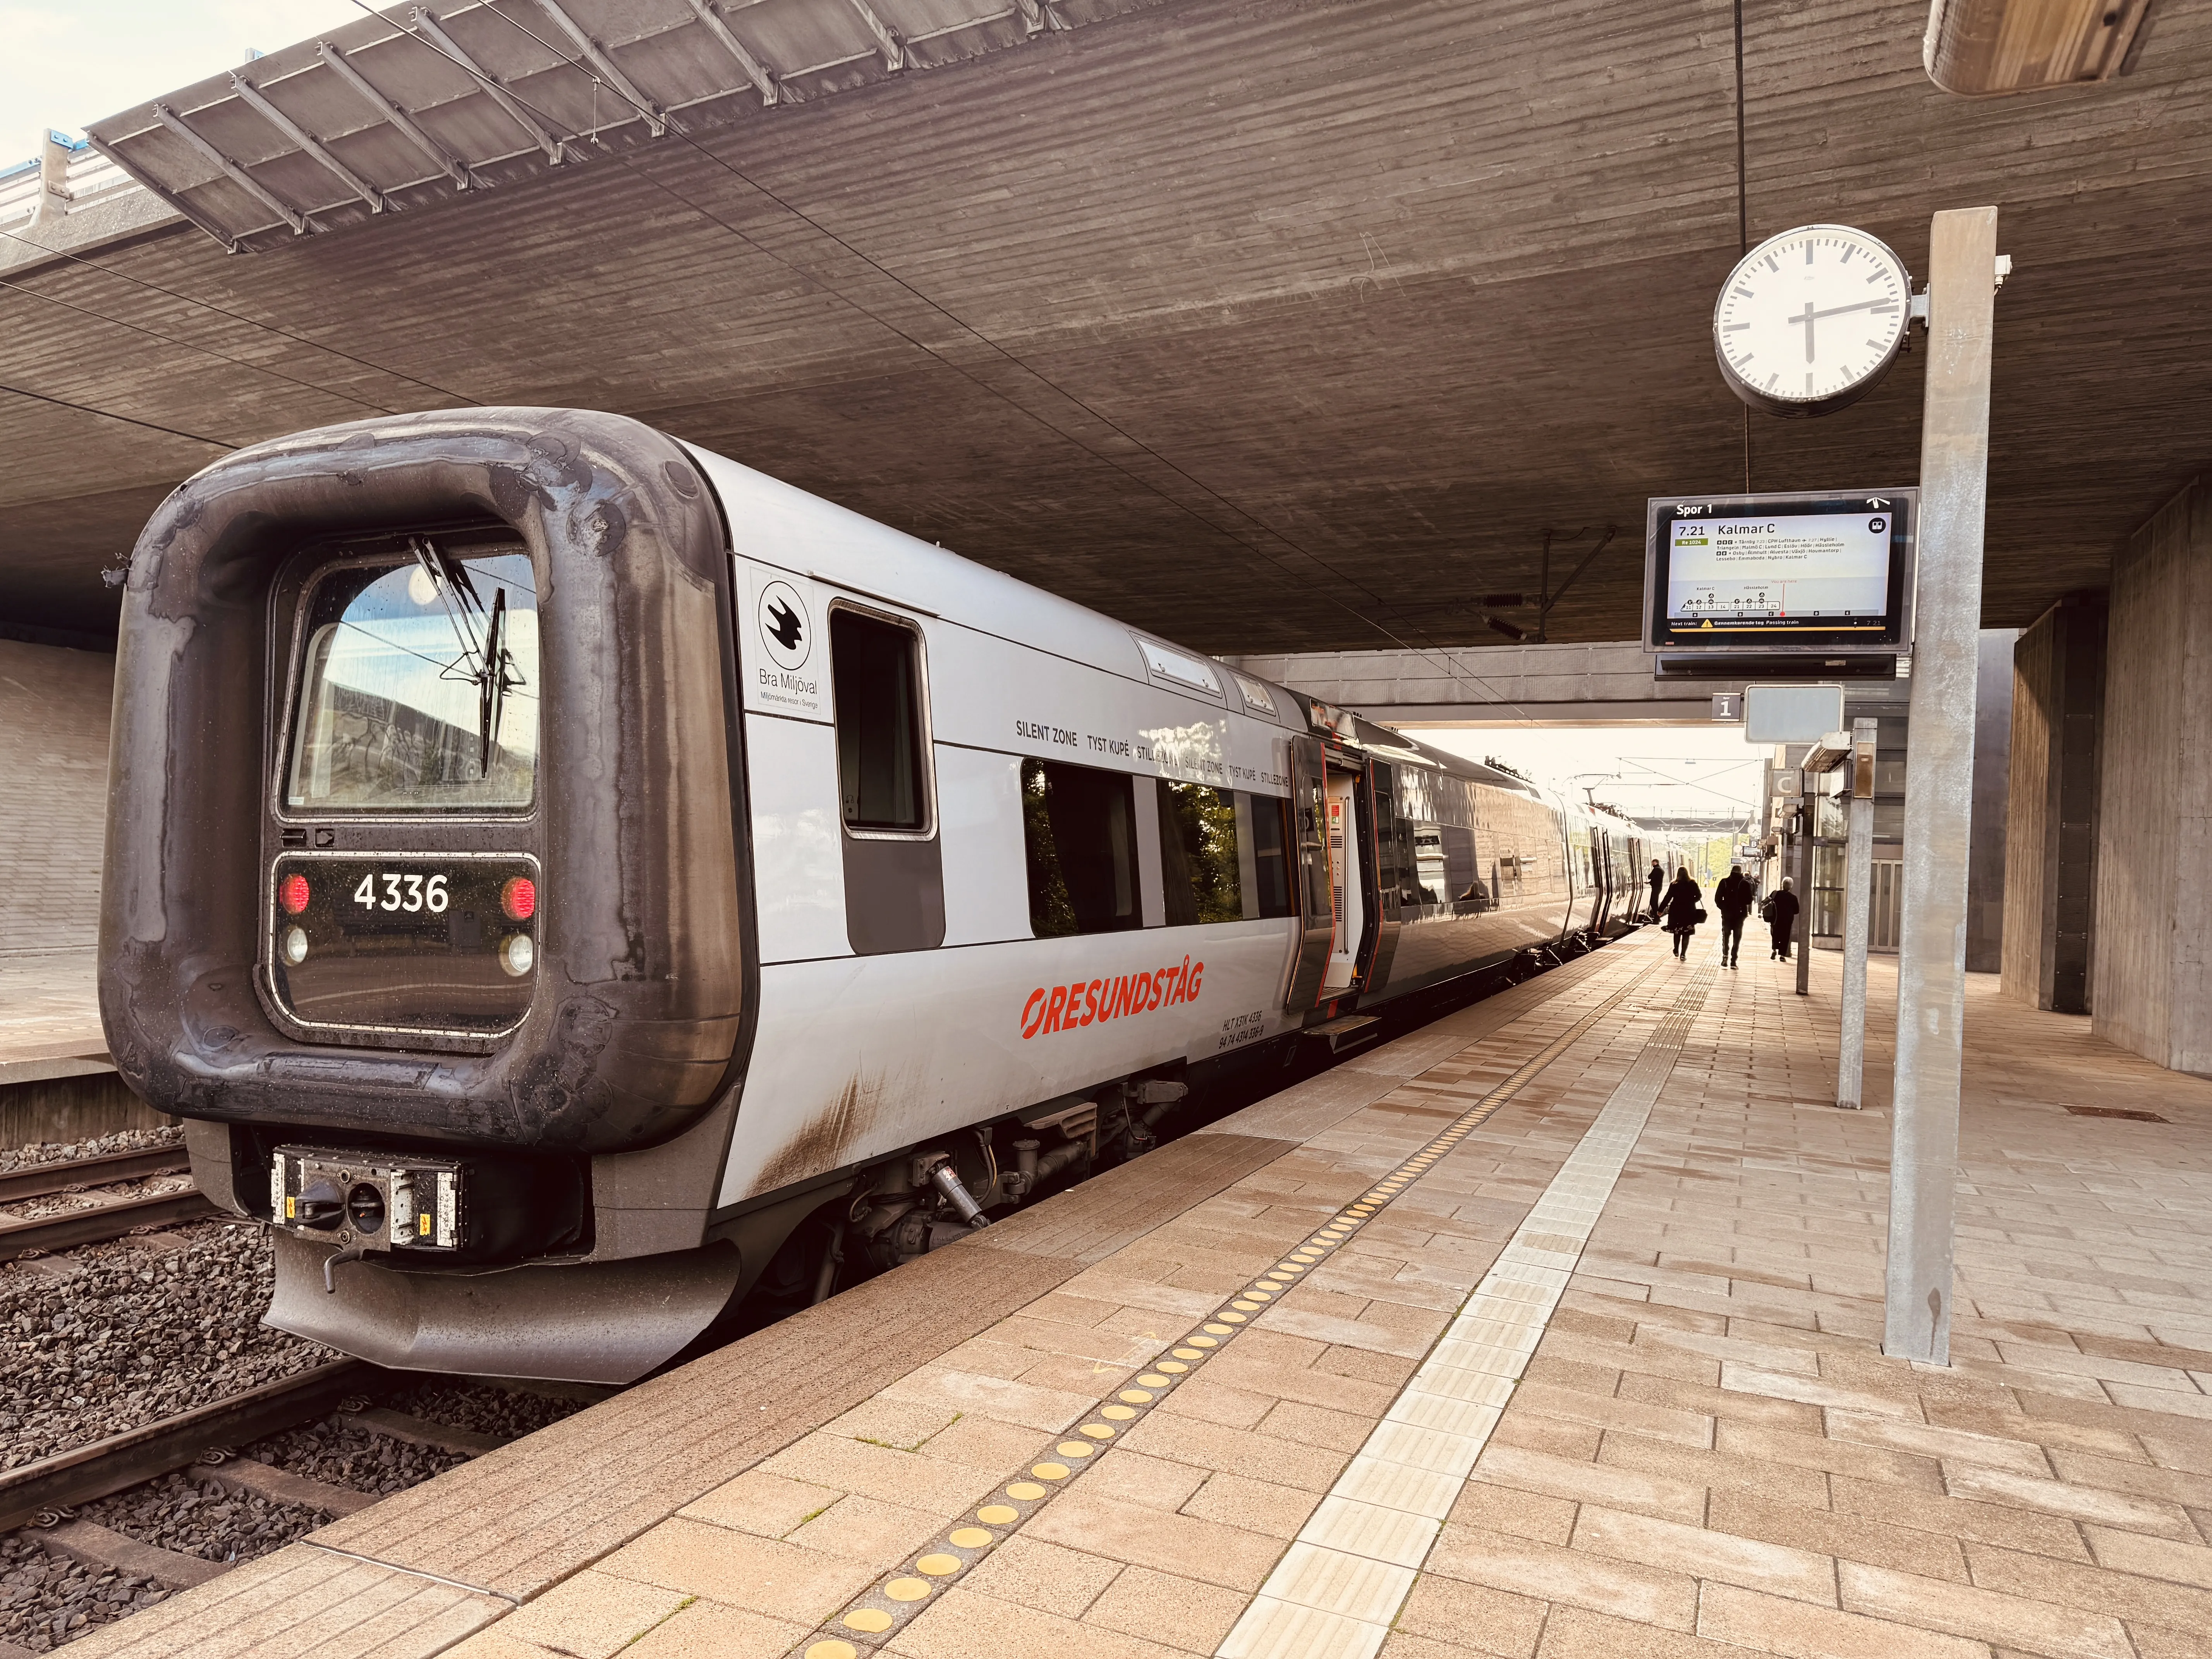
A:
{"x": 1931, "y": 957}
{"x": 1801, "y": 936}
{"x": 1858, "y": 884}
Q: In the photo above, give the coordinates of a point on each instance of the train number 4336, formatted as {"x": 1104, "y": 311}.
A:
{"x": 381, "y": 891}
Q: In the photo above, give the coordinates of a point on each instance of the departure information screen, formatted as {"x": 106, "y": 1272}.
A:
{"x": 1760, "y": 573}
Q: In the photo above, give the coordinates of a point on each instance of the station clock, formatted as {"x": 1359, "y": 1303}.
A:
{"x": 1810, "y": 320}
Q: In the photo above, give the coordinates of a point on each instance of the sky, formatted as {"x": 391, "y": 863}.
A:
{"x": 66, "y": 62}
{"x": 1647, "y": 771}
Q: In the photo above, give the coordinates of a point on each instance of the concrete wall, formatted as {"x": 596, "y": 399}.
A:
{"x": 2150, "y": 982}
{"x": 2027, "y": 821}
{"x": 53, "y": 794}
{"x": 1985, "y": 848}
{"x": 2051, "y": 855}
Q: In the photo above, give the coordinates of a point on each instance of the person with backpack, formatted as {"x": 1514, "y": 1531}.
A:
{"x": 1780, "y": 913}
{"x": 1683, "y": 910}
{"x": 1733, "y": 899}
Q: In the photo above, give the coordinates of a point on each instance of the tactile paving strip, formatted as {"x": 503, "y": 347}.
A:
{"x": 1340, "y": 1584}
{"x": 893, "y": 1601}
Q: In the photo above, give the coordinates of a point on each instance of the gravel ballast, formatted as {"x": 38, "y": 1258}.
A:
{"x": 353, "y": 1458}
{"x": 45, "y": 1600}
{"x": 181, "y": 1513}
{"x": 55, "y": 1151}
{"x": 139, "y": 1333}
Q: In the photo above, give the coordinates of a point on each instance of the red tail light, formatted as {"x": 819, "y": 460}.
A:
{"x": 292, "y": 894}
{"x": 518, "y": 899}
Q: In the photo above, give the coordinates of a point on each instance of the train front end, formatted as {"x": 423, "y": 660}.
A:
{"x": 423, "y": 903}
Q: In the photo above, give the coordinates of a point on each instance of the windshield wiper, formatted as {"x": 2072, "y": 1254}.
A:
{"x": 458, "y": 595}
{"x": 492, "y": 684}
{"x": 485, "y": 661}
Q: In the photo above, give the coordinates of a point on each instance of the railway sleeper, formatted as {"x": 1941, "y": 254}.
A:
{"x": 416, "y": 1432}
{"x": 101, "y": 1546}
{"x": 249, "y": 1475}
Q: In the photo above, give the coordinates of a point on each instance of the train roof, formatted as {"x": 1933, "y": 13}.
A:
{"x": 868, "y": 557}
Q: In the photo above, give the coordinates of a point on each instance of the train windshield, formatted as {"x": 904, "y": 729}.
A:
{"x": 420, "y": 683}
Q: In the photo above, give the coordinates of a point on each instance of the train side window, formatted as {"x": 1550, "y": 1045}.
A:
{"x": 1270, "y": 858}
{"x": 1078, "y": 830}
{"x": 1198, "y": 876}
{"x": 882, "y": 765}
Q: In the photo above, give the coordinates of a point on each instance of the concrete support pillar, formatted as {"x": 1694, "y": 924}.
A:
{"x": 2151, "y": 973}
{"x": 1858, "y": 909}
{"x": 1931, "y": 958}
{"x": 2051, "y": 842}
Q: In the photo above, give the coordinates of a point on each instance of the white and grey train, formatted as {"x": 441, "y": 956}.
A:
{"x": 567, "y": 882}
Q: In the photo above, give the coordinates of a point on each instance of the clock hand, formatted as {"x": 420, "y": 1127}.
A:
{"x": 1863, "y": 305}
{"x": 1807, "y": 318}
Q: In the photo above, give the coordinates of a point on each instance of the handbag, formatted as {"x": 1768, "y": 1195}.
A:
{"x": 1697, "y": 915}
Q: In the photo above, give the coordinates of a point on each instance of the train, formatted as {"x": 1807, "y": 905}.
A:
{"x": 574, "y": 887}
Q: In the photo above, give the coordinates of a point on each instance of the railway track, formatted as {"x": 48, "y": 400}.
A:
{"x": 111, "y": 1218}
{"x": 53, "y": 1485}
{"x": 152, "y": 1476}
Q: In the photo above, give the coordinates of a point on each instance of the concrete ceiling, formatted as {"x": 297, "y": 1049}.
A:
{"x": 1268, "y": 325}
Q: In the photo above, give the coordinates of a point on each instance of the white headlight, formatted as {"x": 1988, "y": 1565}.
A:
{"x": 295, "y": 945}
{"x": 517, "y": 953}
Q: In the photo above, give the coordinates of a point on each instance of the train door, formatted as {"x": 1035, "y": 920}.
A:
{"x": 1310, "y": 870}
{"x": 1347, "y": 883}
{"x": 1393, "y": 842}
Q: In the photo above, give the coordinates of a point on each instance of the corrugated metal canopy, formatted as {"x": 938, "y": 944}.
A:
{"x": 419, "y": 102}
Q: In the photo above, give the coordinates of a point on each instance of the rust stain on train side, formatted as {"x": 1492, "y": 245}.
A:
{"x": 822, "y": 1142}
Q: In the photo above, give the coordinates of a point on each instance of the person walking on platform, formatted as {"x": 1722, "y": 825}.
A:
{"x": 1732, "y": 898}
{"x": 1780, "y": 914}
{"x": 1684, "y": 913}
{"x": 1657, "y": 878}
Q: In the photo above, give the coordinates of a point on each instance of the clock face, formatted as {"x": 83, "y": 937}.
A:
{"x": 1810, "y": 320}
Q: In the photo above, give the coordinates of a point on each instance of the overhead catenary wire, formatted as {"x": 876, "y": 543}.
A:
{"x": 109, "y": 414}
{"x": 190, "y": 345}
{"x": 458, "y": 397}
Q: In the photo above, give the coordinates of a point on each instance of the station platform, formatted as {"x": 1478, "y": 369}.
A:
{"x": 50, "y": 1015}
{"x": 1550, "y": 1330}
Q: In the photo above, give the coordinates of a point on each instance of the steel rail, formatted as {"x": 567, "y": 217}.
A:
{"x": 88, "y": 1472}
{"x": 92, "y": 1225}
{"x": 45, "y": 1180}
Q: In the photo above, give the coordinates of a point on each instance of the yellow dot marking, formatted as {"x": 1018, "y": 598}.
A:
{"x": 939, "y": 1566}
{"x": 1244, "y": 1304}
{"x": 1043, "y": 1472}
{"x": 833, "y": 1649}
{"x": 1072, "y": 1448}
{"x": 907, "y": 1589}
{"x": 1004, "y": 1515}
{"x": 969, "y": 1538}
{"x": 1231, "y": 1318}
{"x": 1151, "y": 1382}
{"x": 1261, "y": 1293}
{"x": 867, "y": 1620}
{"x": 1197, "y": 1342}
{"x": 1217, "y": 1330}
{"x": 1288, "y": 1271}
{"x": 1175, "y": 1365}
{"x": 1096, "y": 1431}
{"x": 1119, "y": 1414}
{"x": 1140, "y": 1396}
